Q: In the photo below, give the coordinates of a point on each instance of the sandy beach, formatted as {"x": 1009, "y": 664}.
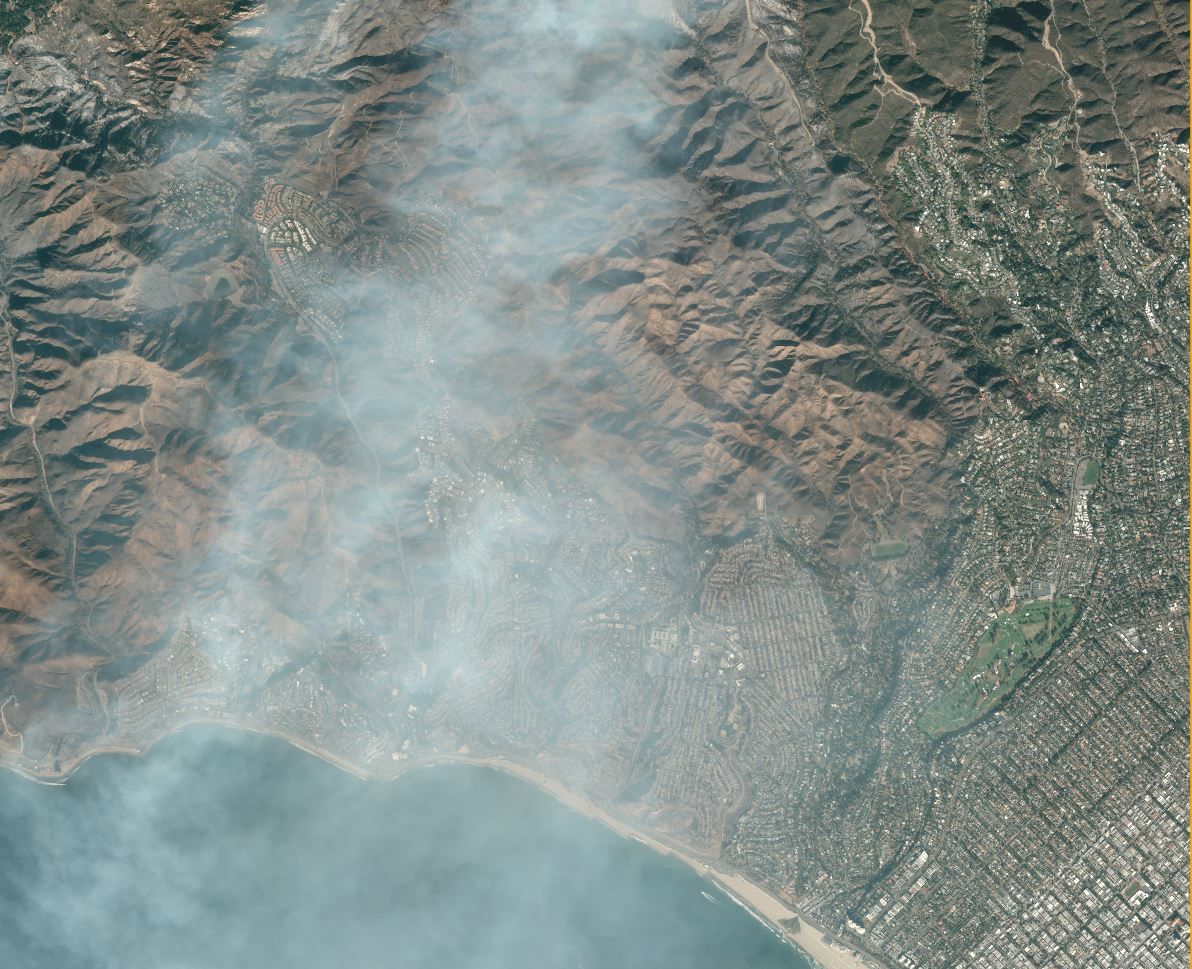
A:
{"x": 768, "y": 909}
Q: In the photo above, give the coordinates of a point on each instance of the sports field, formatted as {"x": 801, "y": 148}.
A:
{"x": 889, "y": 550}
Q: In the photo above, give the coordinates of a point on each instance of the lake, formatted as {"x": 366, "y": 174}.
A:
{"x": 225, "y": 849}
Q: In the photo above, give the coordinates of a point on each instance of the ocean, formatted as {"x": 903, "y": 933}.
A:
{"x": 229, "y": 849}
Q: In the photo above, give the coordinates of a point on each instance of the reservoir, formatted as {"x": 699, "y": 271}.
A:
{"x": 221, "y": 850}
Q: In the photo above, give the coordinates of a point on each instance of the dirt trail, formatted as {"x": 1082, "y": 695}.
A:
{"x": 887, "y": 81}
{"x": 72, "y": 543}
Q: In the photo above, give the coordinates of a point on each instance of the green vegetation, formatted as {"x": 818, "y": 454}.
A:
{"x": 16, "y": 15}
{"x": 889, "y": 550}
{"x": 1013, "y": 643}
{"x": 1092, "y": 471}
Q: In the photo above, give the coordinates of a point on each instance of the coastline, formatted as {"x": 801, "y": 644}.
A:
{"x": 767, "y": 908}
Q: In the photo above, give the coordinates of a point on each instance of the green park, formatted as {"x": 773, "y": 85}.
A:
{"x": 1014, "y": 642}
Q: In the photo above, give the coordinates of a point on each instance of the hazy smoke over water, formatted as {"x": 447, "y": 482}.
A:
{"x": 219, "y": 851}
